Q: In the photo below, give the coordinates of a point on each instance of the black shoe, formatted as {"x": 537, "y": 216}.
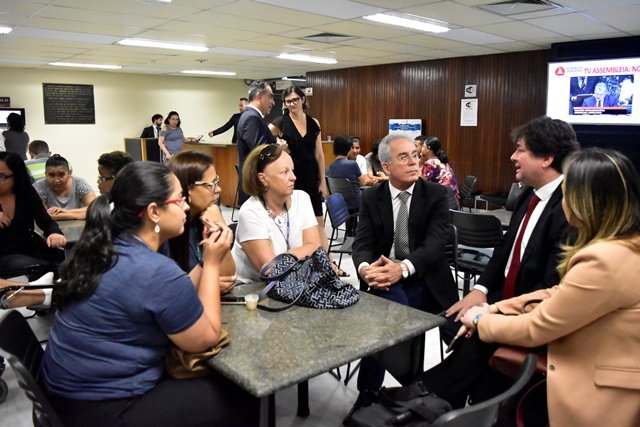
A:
{"x": 365, "y": 398}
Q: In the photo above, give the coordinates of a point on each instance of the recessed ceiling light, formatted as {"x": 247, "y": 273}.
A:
{"x": 162, "y": 45}
{"x": 75, "y": 64}
{"x": 209, "y": 73}
{"x": 295, "y": 79}
{"x": 307, "y": 58}
{"x": 405, "y": 20}
{"x": 5, "y": 30}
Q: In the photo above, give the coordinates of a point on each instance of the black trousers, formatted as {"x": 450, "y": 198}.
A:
{"x": 208, "y": 401}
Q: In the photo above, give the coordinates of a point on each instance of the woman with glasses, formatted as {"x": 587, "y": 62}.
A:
{"x": 65, "y": 196}
{"x": 302, "y": 134}
{"x": 122, "y": 305}
{"x": 590, "y": 320}
{"x": 109, "y": 164}
{"x": 276, "y": 218}
{"x": 20, "y": 207}
{"x": 201, "y": 187}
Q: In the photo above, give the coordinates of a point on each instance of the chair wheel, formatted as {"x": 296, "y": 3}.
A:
{"x": 4, "y": 391}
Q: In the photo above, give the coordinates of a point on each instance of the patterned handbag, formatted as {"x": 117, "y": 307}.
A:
{"x": 309, "y": 282}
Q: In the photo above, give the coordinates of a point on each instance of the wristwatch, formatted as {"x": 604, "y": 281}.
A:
{"x": 476, "y": 318}
{"x": 405, "y": 270}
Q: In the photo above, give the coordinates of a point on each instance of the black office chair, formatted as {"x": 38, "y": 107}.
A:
{"x": 516, "y": 190}
{"x": 475, "y": 232}
{"x": 20, "y": 347}
{"x": 490, "y": 412}
{"x": 468, "y": 193}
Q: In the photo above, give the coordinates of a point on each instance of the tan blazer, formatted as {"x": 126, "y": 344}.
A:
{"x": 591, "y": 322}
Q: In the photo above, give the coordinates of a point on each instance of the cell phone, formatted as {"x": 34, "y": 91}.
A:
{"x": 231, "y": 299}
{"x": 199, "y": 138}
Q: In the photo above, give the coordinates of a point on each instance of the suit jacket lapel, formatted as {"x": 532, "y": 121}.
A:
{"x": 386, "y": 214}
{"x": 416, "y": 211}
{"x": 534, "y": 239}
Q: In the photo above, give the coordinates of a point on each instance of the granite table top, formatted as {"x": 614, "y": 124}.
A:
{"x": 271, "y": 351}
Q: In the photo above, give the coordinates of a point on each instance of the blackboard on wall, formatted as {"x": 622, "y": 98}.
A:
{"x": 68, "y": 104}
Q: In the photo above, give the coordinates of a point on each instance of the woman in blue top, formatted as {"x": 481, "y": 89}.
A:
{"x": 171, "y": 137}
{"x": 121, "y": 306}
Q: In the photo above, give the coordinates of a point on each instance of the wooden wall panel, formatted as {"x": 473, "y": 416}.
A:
{"x": 511, "y": 90}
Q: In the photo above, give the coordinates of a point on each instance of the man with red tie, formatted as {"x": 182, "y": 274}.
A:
{"x": 525, "y": 261}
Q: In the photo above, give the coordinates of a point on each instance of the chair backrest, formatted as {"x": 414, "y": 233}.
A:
{"x": 466, "y": 191}
{"x": 487, "y": 413}
{"x": 337, "y": 209}
{"x": 343, "y": 186}
{"x": 20, "y": 347}
{"x": 451, "y": 248}
{"x": 516, "y": 190}
{"x": 451, "y": 198}
{"x": 480, "y": 231}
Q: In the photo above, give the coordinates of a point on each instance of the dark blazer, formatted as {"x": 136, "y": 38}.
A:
{"x": 252, "y": 131}
{"x": 428, "y": 231}
{"x": 148, "y": 133}
{"x": 541, "y": 256}
{"x": 607, "y": 101}
{"x": 233, "y": 122}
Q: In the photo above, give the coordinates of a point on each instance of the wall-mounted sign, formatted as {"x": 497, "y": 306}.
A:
{"x": 469, "y": 112}
{"x": 470, "y": 91}
{"x": 407, "y": 127}
{"x": 68, "y": 104}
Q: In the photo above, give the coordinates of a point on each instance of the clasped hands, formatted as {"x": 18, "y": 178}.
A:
{"x": 382, "y": 273}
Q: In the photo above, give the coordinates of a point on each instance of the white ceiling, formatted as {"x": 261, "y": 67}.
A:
{"x": 245, "y": 36}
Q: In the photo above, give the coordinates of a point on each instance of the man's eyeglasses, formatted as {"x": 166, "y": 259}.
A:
{"x": 404, "y": 158}
{"x": 4, "y": 177}
{"x": 210, "y": 185}
{"x": 102, "y": 179}
{"x": 180, "y": 201}
{"x": 292, "y": 101}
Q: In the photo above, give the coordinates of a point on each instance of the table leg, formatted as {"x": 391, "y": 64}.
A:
{"x": 303, "y": 399}
{"x": 268, "y": 411}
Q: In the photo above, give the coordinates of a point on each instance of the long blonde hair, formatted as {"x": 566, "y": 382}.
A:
{"x": 602, "y": 196}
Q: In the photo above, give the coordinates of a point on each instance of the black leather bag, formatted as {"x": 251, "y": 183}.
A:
{"x": 309, "y": 282}
{"x": 411, "y": 405}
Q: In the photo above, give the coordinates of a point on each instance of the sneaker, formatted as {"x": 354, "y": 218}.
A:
{"x": 365, "y": 398}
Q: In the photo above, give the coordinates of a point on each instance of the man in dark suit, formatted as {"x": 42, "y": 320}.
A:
{"x": 153, "y": 131}
{"x": 537, "y": 227}
{"x": 399, "y": 246}
{"x": 233, "y": 122}
{"x": 252, "y": 130}
{"x": 600, "y": 98}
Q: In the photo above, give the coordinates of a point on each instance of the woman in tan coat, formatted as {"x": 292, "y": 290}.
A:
{"x": 590, "y": 320}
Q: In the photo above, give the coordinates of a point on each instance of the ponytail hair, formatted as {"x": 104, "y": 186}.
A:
{"x": 109, "y": 216}
{"x": 436, "y": 147}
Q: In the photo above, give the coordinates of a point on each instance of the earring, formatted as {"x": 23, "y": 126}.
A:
{"x": 156, "y": 228}
{"x": 266, "y": 189}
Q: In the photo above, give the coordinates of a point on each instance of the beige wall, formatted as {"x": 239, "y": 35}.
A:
{"x": 124, "y": 104}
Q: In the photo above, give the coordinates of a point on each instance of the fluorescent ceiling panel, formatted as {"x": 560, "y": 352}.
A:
{"x": 307, "y": 58}
{"x": 342, "y": 9}
{"x": 162, "y": 45}
{"x": 413, "y": 22}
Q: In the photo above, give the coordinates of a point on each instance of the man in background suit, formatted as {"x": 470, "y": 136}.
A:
{"x": 233, "y": 122}
{"x": 600, "y": 98}
{"x": 541, "y": 147}
{"x": 153, "y": 131}
{"x": 252, "y": 130}
{"x": 402, "y": 263}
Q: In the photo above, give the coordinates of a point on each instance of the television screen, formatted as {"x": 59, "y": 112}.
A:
{"x": 5, "y": 111}
{"x": 594, "y": 92}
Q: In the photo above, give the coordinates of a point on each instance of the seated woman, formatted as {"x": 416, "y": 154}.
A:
{"x": 201, "y": 186}
{"x": 109, "y": 164}
{"x": 374, "y": 167}
{"x": 64, "y": 195}
{"x": 589, "y": 320}
{"x": 121, "y": 306}
{"x": 435, "y": 166}
{"x": 20, "y": 207}
{"x": 276, "y": 218}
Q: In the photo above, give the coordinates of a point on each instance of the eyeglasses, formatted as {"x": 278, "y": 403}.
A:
{"x": 210, "y": 185}
{"x": 102, "y": 179}
{"x": 180, "y": 201}
{"x": 404, "y": 158}
{"x": 4, "y": 177}
{"x": 292, "y": 101}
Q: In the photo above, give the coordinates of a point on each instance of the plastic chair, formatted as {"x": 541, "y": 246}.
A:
{"x": 20, "y": 347}
{"x": 476, "y": 232}
{"x": 467, "y": 194}
{"x": 489, "y": 412}
{"x": 338, "y": 215}
{"x": 345, "y": 187}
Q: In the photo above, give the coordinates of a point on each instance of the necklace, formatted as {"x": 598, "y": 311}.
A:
{"x": 280, "y": 221}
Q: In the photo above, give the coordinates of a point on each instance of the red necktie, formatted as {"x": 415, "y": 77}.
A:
{"x": 510, "y": 281}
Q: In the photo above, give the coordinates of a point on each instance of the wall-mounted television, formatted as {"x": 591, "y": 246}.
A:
{"x": 5, "y": 111}
{"x": 598, "y": 92}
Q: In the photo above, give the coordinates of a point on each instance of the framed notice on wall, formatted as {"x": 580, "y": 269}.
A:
{"x": 410, "y": 128}
{"x": 68, "y": 104}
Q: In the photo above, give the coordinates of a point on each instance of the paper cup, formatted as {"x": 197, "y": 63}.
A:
{"x": 251, "y": 301}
